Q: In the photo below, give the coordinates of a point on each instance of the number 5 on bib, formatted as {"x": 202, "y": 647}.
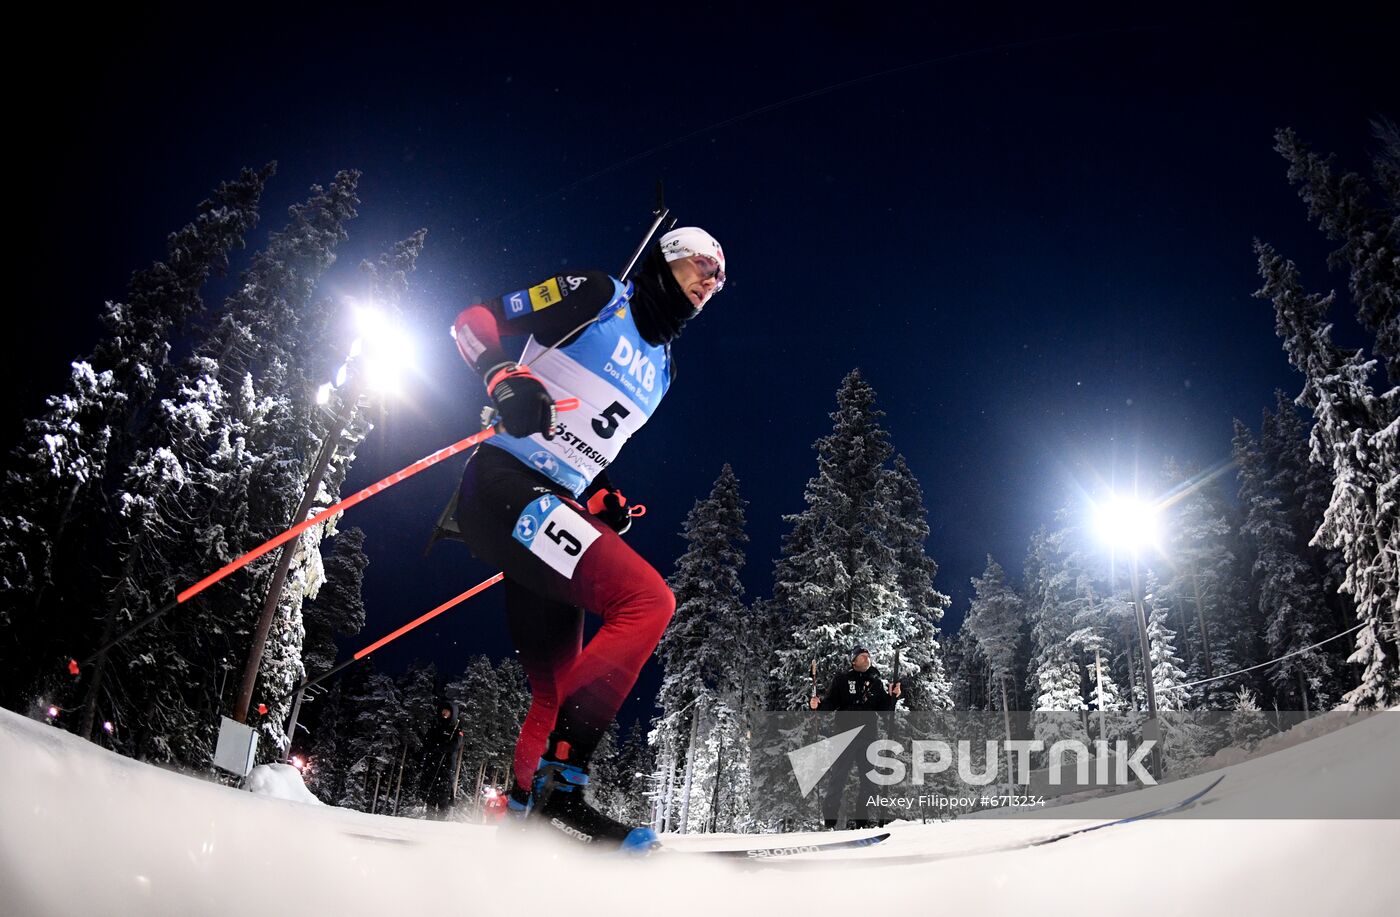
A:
{"x": 555, "y": 533}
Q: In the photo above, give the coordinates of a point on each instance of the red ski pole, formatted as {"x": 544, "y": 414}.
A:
{"x": 450, "y": 603}
{"x": 312, "y": 682}
{"x": 564, "y": 404}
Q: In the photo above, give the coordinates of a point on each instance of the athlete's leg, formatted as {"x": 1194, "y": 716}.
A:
{"x": 635, "y": 603}
{"x": 561, "y": 554}
{"x": 548, "y": 636}
{"x": 557, "y": 557}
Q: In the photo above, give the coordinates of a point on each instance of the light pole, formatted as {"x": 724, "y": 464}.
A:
{"x": 375, "y": 360}
{"x": 1131, "y": 524}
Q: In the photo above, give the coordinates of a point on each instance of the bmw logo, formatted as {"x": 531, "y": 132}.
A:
{"x": 544, "y": 462}
{"x": 527, "y": 526}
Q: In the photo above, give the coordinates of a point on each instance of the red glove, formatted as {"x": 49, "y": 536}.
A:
{"x": 611, "y": 507}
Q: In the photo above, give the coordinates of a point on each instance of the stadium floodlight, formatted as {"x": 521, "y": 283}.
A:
{"x": 1127, "y": 523}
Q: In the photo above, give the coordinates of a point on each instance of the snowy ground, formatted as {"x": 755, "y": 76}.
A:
{"x": 83, "y": 831}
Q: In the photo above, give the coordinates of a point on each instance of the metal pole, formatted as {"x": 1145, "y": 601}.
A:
{"x": 662, "y": 212}
{"x": 292, "y": 721}
{"x": 1154, "y": 730}
{"x": 284, "y": 561}
{"x": 689, "y": 772}
{"x": 1006, "y": 721}
{"x": 1098, "y": 676}
{"x": 457, "y": 768}
{"x": 1201, "y": 620}
{"x": 403, "y": 759}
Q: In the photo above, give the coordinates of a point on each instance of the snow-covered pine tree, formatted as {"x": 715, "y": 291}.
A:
{"x": 512, "y": 703}
{"x": 417, "y": 688}
{"x": 837, "y": 582}
{"x": 729, "y": 747}
{"x": 1183, "y": 738}
{"x": 338, "y": 610}
{"x": 1092, "y": 616}
{"x": 704, "y": 650}
{"x": 1121, "y": 618}
{"x": 325, "y": 764}
{"x": 372, "y": 740}
{"x": 54, "y": 496}
{"x": 1246, "y": 724}
{"x": 1204, "y": 577}
{"x": 1358, "y": 434}
{"x": 996, "y": 620}
{"x": 1304, "y": 489}
{"x": 967, "y": 668}
{"x": 1291, "y": 600}
{"x": 223, "y": 463}
{"x": 475, "y": 692}
{"x": 1105, "y": 694}
{"x": 633, "y": 778}
{"x": 926, "y": 685}
{"x": 493, "y": 702}
{"x": 1168, "y": 676}
{"x": 1052, "y": 602}
{"x": 1368, "y": 231}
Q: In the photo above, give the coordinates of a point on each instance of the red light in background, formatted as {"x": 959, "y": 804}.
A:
{"x": 262, "y": 708}
{"x": 72, "y": 667}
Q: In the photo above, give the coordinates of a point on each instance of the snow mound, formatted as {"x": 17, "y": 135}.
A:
{"x": 85, "y": 831}
{"x": 280, "y": 781}
{"x": 1306, "y": 731}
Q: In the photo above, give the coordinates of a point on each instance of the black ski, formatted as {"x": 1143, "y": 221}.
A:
{"x": 787, "y": 850}
{"x": 904, "y": 859}
{"x": 1164, "y": 810}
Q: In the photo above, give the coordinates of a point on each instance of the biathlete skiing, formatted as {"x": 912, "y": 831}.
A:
{"x": 536, "y": 502}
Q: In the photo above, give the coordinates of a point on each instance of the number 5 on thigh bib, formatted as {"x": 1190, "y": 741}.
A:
{"x": 555, "y": 533}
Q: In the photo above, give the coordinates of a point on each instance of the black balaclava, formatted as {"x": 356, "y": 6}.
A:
{"x": 659, "y": 306}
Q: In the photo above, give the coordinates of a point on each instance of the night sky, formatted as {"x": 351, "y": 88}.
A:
{"x": 1031, "y": 233}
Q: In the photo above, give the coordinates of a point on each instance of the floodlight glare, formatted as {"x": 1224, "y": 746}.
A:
{"x": 1126, "y": 522}
{"x": 387, "y": 351}
{"x": 370, "y": 322}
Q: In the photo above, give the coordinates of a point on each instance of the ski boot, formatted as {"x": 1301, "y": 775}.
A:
{"x": 515, "y": 822}
{"x": 558, "y": 801}
{"x": 518, "y": 803}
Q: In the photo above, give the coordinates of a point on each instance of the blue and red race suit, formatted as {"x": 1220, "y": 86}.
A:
{"x": 519, "y": 504}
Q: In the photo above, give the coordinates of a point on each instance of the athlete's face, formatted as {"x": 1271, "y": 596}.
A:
{"x": 861, "y": 663}
{"x": 696, "y": 276}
